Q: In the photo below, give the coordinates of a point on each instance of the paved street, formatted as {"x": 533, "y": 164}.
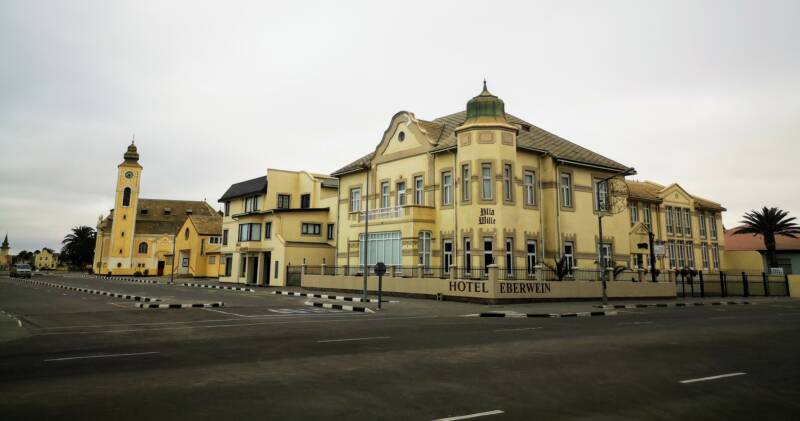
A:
{"x": 66, "y": 354}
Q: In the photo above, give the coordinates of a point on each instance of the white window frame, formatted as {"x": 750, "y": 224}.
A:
{"x": 486, "y": 181}
{"x": 419, "y": 190}
{"x": 466, "y": 193}
{"x": 488, "y": 253}
{"x": 668, "y": 217}
{"x": 701, "y": 224}
{"x": 647, "y": 215}
{"x": 689, "y": 255}
{"x": 355, "y": 199}
{"x": 633, "y": 208}
{"x": 565, "y": 181}
{"x": 601, "y": 195}
{"x": 681, "y": 259}
{"x": 704, "y": 252}
{"x": 715, "y": 255}
{"x": 687, "y": 221}
{"x": 425, "y": 250}
{"x": 673, "y": 262}
{"x": 401, "y": 193}
{"x": 447, "y": 188}
{"x": 529, "y": 182}
{"x": 385, "y": 195}
{"x": 712, "y": 224}
{"x": 530, "y": 258}
{"x": 605, "y": 255}
{"x": 509, "y": 255}
{"x": 570, "y": 257}
{"x": 252, "y": 203}
{"x": 467, "y": 255}
{"x": 447, "y": 256}
{"x": 677, "y": 220}
{"x": 508, "y": 180}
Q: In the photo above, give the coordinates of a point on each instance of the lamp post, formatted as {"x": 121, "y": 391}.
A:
{"x": 602, "y": 206}
{"x": 366, "y": 238}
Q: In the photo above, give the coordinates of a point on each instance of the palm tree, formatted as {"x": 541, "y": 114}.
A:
{"x": 769, "y": 222}
{"x": 79, "y": 246}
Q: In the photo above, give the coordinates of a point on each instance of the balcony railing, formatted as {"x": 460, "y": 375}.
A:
{"x": 382, "y": 213}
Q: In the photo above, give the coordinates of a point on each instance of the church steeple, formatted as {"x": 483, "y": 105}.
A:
{"x": 131, "y": 155}
{"x": 5, "y": 243}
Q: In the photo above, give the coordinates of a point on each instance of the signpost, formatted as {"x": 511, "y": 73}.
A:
{"x": 380, "y": 270}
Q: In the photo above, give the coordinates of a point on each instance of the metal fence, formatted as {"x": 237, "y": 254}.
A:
{"x": 732, "y": 284}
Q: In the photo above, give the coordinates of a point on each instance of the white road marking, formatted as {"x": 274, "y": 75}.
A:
{"x": 721, "y": 376}
{"x": 634, "y": 323}
{"x": 101, "y": 356}
{"x": 518, "y": 329}
{"x": 475, "y": 415}
{"x": 722, "y": 318}
{"x": 298, "y": 320}
{"x": 353, "y": 339}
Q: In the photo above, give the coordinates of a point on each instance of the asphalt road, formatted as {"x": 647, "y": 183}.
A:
{"x": 82, "y": 356}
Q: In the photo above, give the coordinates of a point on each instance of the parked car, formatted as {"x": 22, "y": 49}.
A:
{"x": 21, "y": 271}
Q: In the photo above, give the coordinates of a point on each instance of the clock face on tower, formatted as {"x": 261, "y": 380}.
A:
{"x": 129, "y": 175}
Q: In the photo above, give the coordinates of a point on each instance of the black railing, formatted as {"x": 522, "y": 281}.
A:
{"x": 516, "y": 274}
{"x": 731, "y": 284}
{"x": 473, "y": 273}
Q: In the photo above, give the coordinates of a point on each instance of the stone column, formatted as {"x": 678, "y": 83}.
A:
{"x": 610, "y": 274}
{"x": 322, "y": 269}
{"x": 452, "y": 272}
{"x": 640, "y": 271}
{"x": 493, "y": 283}
{"x": 419, "y": 271}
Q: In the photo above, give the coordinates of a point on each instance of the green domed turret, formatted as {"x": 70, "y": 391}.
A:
{"x": 486, "y": 107}
{"x": 131, "y": 155}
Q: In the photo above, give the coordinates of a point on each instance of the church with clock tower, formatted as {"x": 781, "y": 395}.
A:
{"x": 138, "y": 234}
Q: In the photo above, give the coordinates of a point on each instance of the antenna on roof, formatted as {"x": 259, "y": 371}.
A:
{"x": 133, "y": 138}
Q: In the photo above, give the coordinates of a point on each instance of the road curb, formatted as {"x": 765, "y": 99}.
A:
{"x": 330, "y": 297}
{"x": 174, "y": 306}
{"x": 339, "y": 307}
{"x": 219, "y": 287}
{"x": 546, "y": 315}
{"x": 666, "y": 305}
{"x": 120, "y": 278}
{"x": 96, "y": 291}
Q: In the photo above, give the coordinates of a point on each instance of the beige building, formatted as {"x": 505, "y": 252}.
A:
{"x": 283, "y": 218}
{"x": 5, "y": 257}
{"x": 197, "y": 247}
{"x": 688, "y": 227}
{"x": 475, "y": 188}
{"x": 45, "y": 259}
{"x": 138, "y": 234}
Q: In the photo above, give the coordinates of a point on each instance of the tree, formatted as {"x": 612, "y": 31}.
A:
{"x": 769, "y": 222}
{"x": 23, "y": 257}
{"x": 78, "y": 247}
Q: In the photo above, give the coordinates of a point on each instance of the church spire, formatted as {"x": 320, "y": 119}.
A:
{"x": 5, "y": 242}
{"x": 131, "y": 155}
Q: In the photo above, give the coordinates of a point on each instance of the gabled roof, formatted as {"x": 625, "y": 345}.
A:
{"x": 243, "y": 188}
{"x": 750, "y": 242}
{"x": 654, "y": 192}
{"x": 156, "y": 221}
{"x": 443, "y": 129}
{"x": 207, "y": 225}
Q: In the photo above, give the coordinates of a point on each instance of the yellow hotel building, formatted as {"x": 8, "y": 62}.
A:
{"x": 481, "y": 187}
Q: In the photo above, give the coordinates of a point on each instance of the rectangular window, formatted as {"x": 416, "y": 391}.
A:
{"x": 227, "y": 208}
{"x": 701, "y": 223}
{"x": 311, "y": 229}
{"x": 486, "y": 181}
{"x": 419, "y": 190}
{"x": 566, "y": 190}
{"x": 509, "y": 256}
{"x": 668, "y": 216}
{"x": 355, "y": 200}
{"x": 531, "y": 257}
{"x": 715, "y": 255}
{"x": 447, "y": 255}
{"x": 690, "y": 255}
{"x": 569, "y": 255}
{"x": 634, "y": 210}
{"x": 252, "y": 203}
{"x": 268, "y": 230}
{"x": 529, "y": 183}
{"x": 468, "y": 255}
{"x": 677, "y": 221}
{"x": 679, "y": 248}
{"x": 305, "y": 201}
{"x": 214, "y": 240}
{"x": 212, "y": 260}
{"x": 508, "y": 179}
{"x": 401, "y": 193}
{"x": 224, "y": 237}
{"x": 605, "y": 254}
{"x": 228, "y": 265}
{"x": 466, "y": 192}
{"x": 284, "y": 201}
{"x": 447, "y": 188}
{"x": 383, "y": 247}
{"x": 331, "y": 230}
{"x": 488, "y": 258}
{"x": 704, "y": 253}
{"x": 425, "y": 250}
{"x": 385, "y": 194}
{"x": 243, "y": 266}
{"x": 249, "y": 232}
{"x": 712, "y": 223}
{"x": 687, "y": 221}
{"x": 648, "y": 217}
{"x": 601, "y": 195}
{"x": 671, "y": 254}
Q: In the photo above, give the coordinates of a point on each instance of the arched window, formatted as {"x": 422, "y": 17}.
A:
{"x": 186, "y": 234}
{"x": 142, "y": 248}
{"x": 126, "y": 197}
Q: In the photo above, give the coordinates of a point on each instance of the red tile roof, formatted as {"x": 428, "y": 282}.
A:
{"x": 749, "y": 242}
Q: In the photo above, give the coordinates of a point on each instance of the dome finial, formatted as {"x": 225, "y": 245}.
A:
{"x": 133, "y": 138}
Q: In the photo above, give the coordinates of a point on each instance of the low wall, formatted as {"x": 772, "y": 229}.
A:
{"x": 493, "y": 290}
{"x": 794, "y": 286}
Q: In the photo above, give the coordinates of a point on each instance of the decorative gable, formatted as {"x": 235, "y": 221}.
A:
{"x": 405, "y": 136}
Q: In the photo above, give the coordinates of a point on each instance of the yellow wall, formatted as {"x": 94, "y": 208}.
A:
{"x": 198, "y": 249}
{"x": 744, "y": 261}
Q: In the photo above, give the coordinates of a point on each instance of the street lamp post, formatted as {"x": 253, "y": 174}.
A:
{"x": 601, "y": 208}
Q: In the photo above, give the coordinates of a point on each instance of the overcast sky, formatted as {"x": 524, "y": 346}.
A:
{"x": 706, "y": 94}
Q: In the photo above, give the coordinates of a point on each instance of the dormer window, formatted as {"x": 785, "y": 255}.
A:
{"x": 305, "y": 201}
{"x": 189, "y": 211}
{"x": 143, "y": 211}
{"x": 167, "y": 211}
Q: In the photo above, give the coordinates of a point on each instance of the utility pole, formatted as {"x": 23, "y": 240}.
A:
{"x": 366, "y": 238}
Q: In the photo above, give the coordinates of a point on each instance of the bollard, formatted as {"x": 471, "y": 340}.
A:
{"x": 702, "y": 285}
{"x": 766, "y": 284}
{"x": 722, "y": 286}
{"x": 745, "y": 286}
